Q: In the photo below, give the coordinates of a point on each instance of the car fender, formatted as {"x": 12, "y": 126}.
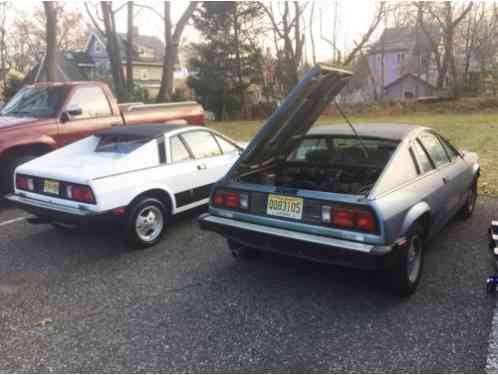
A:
{"x": 413, "y": 214}
{"x": 149, "y": 187}
{"x": 13, "y": 144}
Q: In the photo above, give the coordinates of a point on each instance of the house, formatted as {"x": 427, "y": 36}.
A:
{"x": 148, "y": 56}
{"x": 401, "y": 63}
{"x": 70, "y": 66}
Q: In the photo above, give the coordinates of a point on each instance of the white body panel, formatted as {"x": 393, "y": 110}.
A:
{"x": 116, "y": 179}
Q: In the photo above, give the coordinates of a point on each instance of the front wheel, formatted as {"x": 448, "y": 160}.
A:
{"x": 407, "y": 271}
{"x": 146, "y": 223}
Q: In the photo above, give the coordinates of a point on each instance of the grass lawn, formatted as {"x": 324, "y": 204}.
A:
{"x": 471, "y": 132}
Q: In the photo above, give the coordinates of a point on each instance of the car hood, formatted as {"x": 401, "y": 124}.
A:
{"x": 293, "y": 118}
{"x": 10, "y": 121}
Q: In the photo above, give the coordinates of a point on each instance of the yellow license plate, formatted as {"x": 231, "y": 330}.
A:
{"x": 51, "y": 187}
{"x": 279, "y": 205}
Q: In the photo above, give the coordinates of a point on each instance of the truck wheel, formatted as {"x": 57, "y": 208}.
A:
{"x": 470, "y": 204}
{"x": 7, "y": 183}
{"x": 242, "y": 252}
{"x": 146, "y": 222}
{"x": 406, "y": 273}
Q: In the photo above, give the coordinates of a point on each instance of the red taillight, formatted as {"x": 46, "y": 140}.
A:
{"x": 80, "y": 194}
{"x": 231, "y": 199}
{"x": 342, "y": 217}
{"x": 349, "y": 218}
{"x": 365, "y": 221}
{"x": 21, "y": 182}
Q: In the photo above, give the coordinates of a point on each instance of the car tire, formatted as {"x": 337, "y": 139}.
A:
{"x": 242, "y": 252}
{"x": 407, "y": 271}
{"x": 146, "y": 222}
{"x": 468, "y": 208}
{"x": 7, "y": 183}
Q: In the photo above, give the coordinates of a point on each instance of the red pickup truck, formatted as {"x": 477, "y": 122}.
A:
{"x": 45, "y": 116}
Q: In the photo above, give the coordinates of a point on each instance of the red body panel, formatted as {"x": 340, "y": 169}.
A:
{"x": 53, "y": 133}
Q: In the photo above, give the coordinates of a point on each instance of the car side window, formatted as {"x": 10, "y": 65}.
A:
{"x": 202, "y": 144}
{"x": 423, "y": 161}
{"x": 434, "y": 148}
{"x": 450, "y": 150}
{"x": 179, "y": 152}
{"x": 92, "y": 101}
{"x": 226, "y": 147}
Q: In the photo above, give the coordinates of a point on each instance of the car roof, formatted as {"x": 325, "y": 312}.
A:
{"x": 146, "y": 131}
{"x": 373, "y": 130}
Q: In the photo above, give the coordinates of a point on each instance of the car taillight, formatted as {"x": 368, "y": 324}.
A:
{"x": 365, "y": 221}
{"x": 349, "y": 218}
{"x": 24, "y": 182}
{"x": 80, "y": 193}
{"x": 231, "y": 199}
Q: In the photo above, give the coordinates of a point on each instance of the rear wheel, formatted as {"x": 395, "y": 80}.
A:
{"x": 469, "y": 206}
{"x": 407, "y": 271}
{"x": 7, "y": 183}
{"x": 146, "y": 222}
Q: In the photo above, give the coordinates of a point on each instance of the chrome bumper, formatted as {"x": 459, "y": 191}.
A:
{"x": 37, "y": 206}
{"x": 312, "y": 238}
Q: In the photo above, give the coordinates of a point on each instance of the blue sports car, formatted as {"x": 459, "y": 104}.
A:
{"x": 366, "y": 196}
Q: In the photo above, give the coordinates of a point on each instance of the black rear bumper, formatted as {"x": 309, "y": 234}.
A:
{"x": 298, "y": 245}
{"x": 48, "y": 212}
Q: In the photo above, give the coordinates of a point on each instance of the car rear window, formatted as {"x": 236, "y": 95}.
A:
{"x": 343, "y": 150}
{"x": 120, "y": 144}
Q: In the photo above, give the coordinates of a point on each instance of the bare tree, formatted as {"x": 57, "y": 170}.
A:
{"x": 443, "y": 15}
{"x": 287, "y": 29}
{"x": 50, "y": 59}
{"x": 312, "y": 37}
{"x": 172, "y": 37}
{"x": 129, "y": 49}
{"x": 378, "y": 17}
{"x": 3, "y": 47}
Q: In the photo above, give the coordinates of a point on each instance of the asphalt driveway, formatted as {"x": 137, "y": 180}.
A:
{"x": 83, "y": 302}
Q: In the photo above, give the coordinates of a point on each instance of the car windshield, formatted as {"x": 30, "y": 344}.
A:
{"x": 39, "y": 102}
{"x": 120, "y": 144}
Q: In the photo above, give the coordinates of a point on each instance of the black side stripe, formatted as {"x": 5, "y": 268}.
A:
{"x": 193, "y": 195}
{"x": 161, "y": 150}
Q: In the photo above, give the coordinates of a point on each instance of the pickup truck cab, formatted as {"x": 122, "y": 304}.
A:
{"x": 45, "y": 116}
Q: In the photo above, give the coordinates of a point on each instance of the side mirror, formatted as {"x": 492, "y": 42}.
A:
{"x": 71, "y": 111}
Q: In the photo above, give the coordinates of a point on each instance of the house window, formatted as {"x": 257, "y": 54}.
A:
{"x": 144, "y": 74}
{"x": 141, "y": 51}
{"x": 400, "y": 57}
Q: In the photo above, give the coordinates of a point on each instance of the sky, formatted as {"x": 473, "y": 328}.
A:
{"x": 355, "y": 18}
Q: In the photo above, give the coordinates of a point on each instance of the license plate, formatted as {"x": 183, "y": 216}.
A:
{"x": 51, "y": 187}
{"x": 279, "y": 205}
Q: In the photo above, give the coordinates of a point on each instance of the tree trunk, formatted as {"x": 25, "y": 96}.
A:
{"x": 240, "y": 84}
{"x": 51, "y": 28}
{"x": 113, "y": 50}
{"x": 172, "y": 41}
{"x": 129, "y": 51}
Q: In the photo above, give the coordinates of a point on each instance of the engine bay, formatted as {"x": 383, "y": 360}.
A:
{"x": 354, "y": 180}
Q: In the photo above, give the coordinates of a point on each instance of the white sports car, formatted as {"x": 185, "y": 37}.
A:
{"x": 141, "y": 175}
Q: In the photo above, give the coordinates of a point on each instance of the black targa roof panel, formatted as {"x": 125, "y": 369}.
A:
{"x": 149, "y": 131}
{"x": 374, "y": 130}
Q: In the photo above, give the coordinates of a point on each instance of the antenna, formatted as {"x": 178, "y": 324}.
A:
{"x": 364, "y": 149}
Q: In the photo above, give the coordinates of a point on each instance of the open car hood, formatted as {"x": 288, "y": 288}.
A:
{"x": 292, "y": 119}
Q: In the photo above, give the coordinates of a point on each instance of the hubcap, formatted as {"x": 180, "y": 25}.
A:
{"x": 414, "y": 258}
{"x": 149, "y": 223}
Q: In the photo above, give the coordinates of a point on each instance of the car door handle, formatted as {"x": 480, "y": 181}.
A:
{"x": 201, "y": 166}
{"x": 446, "y": 180}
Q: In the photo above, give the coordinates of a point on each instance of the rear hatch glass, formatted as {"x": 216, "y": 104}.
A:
{"x": 120, "y": 144}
